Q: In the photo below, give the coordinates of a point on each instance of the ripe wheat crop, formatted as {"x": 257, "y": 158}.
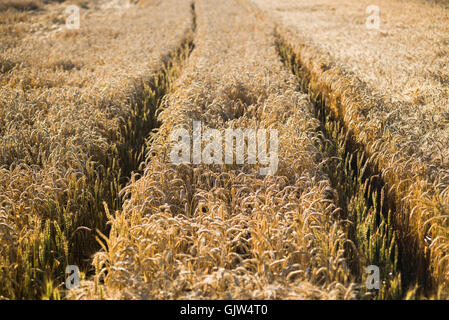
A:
{"x": 356, "y": 149}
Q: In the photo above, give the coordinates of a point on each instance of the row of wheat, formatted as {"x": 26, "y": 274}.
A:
{"x": 350, "y": 189}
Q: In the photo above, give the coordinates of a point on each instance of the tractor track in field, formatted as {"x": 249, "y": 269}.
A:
{"x": 361, "y": 195}
{"x": 144, "y": 117}
{"x": 142, "y": 122}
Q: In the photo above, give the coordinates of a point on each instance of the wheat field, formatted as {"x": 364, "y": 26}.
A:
{"x": 344, "y": 165}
